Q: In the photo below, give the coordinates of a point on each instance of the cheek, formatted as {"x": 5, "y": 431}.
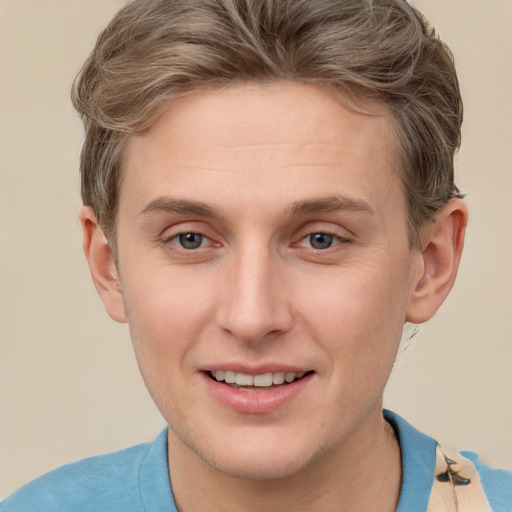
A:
{"x": 359, "y": 332}
{"x": 166, "y": 312}
{"x": 166, "y": 319}
{"x": 358, "y": 315}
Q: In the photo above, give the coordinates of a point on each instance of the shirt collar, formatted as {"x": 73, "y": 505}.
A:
{"x": 418, "y": 453}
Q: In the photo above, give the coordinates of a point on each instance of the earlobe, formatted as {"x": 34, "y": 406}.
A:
{"x": 441, "y": 248}
{"x": 101, "y": 265}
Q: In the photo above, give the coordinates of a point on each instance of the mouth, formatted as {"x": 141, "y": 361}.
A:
{"x": 261, "y": 382}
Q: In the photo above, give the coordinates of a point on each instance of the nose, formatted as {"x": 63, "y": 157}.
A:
{"x": 255, "y": 304}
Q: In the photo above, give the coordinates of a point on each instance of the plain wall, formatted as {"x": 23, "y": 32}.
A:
{"x": 69, "y": 384}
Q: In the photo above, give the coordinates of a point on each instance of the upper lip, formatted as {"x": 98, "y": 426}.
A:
{"x": 259, "y": 369}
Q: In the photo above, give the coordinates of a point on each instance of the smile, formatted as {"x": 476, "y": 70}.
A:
{"x": 265, "y": 380}
{"x": 256, "y": 393}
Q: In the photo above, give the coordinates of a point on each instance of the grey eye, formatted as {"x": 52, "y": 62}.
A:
{"x": 191, "y": 240}
{"x": 321, "y": 240}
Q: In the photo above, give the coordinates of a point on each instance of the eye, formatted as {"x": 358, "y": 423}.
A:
{"x": 322, "y": 240}
{"x": 316, "y": 241}
{"x": 190, "y": 241}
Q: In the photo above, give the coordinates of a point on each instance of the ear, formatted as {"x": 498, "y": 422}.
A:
{"x": 101, "y": 264}
{"x": 441, "y": 249}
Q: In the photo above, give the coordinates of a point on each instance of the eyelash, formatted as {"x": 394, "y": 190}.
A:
{"x": 168, "y": 241}
{"x": 336, "y": 240}
{"x": 175, "y": 239}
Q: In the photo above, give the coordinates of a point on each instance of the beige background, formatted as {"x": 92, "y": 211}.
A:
{"x": 69, "y": 386}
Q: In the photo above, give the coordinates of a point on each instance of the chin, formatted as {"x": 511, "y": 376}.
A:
{"x": 252, "y": 455}
{"x": 261, "y": 468}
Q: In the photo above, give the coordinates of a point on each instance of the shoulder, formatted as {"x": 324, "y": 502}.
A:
{"x": 433, "y": 474}
{"x": 101, "y": 483}
{"x": 497, "y": 483}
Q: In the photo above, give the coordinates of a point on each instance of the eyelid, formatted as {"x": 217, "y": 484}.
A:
{"x": 340, "y": 233}
{"x": 169, "y": 239}
{"x": 186, "y": 226}
{"x": 175, "y": 236}
{"x": 338, "y": 240}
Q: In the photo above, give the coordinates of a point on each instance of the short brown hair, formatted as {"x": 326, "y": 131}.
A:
{"x": 384, "y": 51}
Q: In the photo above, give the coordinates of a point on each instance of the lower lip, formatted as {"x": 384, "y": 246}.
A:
{"x": 256, "y": 402}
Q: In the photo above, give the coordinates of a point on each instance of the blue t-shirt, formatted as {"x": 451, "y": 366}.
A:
{"x": 137, "y": 480}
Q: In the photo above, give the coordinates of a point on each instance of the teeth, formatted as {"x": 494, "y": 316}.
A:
{"x": 263, "y": 381}
{"x": 289, "y": 377}
{"x": 229, "y": 377}
{"x": 243, "y": 379}
{"x": 278, "y": 378}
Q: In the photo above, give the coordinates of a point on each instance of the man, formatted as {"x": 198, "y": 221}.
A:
{"x": 268, "y": 197}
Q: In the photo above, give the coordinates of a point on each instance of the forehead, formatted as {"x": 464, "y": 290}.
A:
{"x": 248, "y": 143}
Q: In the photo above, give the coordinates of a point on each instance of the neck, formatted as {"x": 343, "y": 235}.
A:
{"x": 363, "y": 474}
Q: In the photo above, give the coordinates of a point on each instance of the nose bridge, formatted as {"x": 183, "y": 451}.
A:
{"x": 254, "y": 305}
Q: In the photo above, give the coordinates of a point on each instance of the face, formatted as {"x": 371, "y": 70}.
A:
{"x": 266, "y": 273}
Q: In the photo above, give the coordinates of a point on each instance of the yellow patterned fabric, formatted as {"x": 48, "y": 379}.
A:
{"x": 457, "y": 486}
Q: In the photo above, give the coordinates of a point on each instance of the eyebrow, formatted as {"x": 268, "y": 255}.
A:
{"x": 183, "y": 206}
{"x": 331, "y": 204}
{"x": 325, "y": 204}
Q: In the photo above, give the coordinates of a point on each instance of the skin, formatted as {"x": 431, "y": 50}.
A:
{"x": 255, "y": 171}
